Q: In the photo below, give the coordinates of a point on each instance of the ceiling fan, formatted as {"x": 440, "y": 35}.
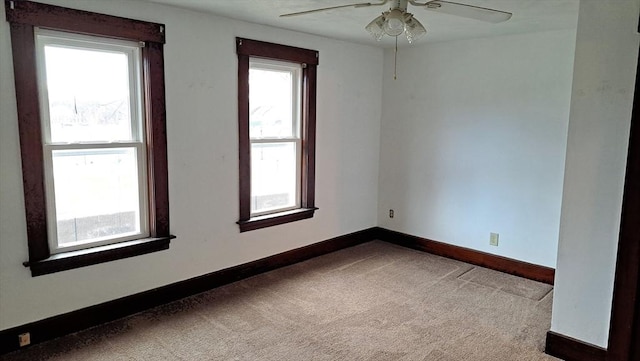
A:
{"x": 396, "y": 21}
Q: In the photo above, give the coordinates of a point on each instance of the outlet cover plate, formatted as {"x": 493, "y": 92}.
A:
{"x": 24, "y": 339}
{"x": 493, "y": 239}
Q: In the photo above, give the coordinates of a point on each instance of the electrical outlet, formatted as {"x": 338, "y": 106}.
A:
{"x": 493, "y": 239}
{"x": 24, "y": 339}
{"x": 391, "y": 213}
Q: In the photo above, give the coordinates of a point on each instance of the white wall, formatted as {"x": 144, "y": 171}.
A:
{"x": 201, "y": 93}
{"x": 601, "y": 103}
{"x": 473, "y": 141}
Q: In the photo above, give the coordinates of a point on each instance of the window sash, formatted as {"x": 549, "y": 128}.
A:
{"x": 143, "y": 196}
{"x": 298, "y": 174}
{"x": 137, "y": 134}
{"x": 62, "y": 39}
{"x": 295, "y": 70}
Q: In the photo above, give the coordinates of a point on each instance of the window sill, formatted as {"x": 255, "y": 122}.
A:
{"x": 275, "y": 219}
{"x": 90, "y": 256}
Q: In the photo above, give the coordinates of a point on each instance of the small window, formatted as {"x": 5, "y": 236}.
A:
{"x": 276, "y": 99}
{"x": 91, "y": 118}
{"x": 93, "y": 140}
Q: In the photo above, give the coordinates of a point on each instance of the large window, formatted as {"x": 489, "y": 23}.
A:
{"x": 90, "y": 95}
{"x": 276, "y": 98}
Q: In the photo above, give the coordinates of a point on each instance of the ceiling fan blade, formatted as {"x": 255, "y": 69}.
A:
{"x": 356, "y": 5}
{"x": 467, "y": 11}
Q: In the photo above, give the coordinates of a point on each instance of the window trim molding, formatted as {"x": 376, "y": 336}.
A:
{"x": 89, "y": 256}
{"x": 246, "y": 48}
{"x": 23, "y": 17}
{"x": 84, "y": 22}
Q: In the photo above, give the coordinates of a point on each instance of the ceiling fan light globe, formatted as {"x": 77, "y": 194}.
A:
{"x": 394, "y": 22}
{"x": 414, "y": 29}
{"x": 393, "y": 27}
{"x": 375, "y": 28}
{"x": 414, "y": 37}
{"x": 377, "y": 36}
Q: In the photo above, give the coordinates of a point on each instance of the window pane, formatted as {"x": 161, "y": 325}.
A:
{"x": 96, "y": 194}
{"x": 88, "y": 93}
{"x": 273, "y": 176}
{"x": 271, "y": 112}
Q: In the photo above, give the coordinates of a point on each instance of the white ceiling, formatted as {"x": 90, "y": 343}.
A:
{"x": 348, "y": 23}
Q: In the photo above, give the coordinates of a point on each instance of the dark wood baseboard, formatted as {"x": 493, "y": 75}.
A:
{"x": 74, "y": 321}
{"x": 570, "y": 349}
{"x": 498, "y": 263}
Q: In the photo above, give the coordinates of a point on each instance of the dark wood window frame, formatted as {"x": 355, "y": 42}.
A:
{"x": 23, "y": 17}
{"x": 247, "y": 49}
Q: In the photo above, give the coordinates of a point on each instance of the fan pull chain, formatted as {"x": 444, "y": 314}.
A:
{"x": 395, "y": 61}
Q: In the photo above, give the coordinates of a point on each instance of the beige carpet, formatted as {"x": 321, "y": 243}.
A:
{"x": 376, "y": 302}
